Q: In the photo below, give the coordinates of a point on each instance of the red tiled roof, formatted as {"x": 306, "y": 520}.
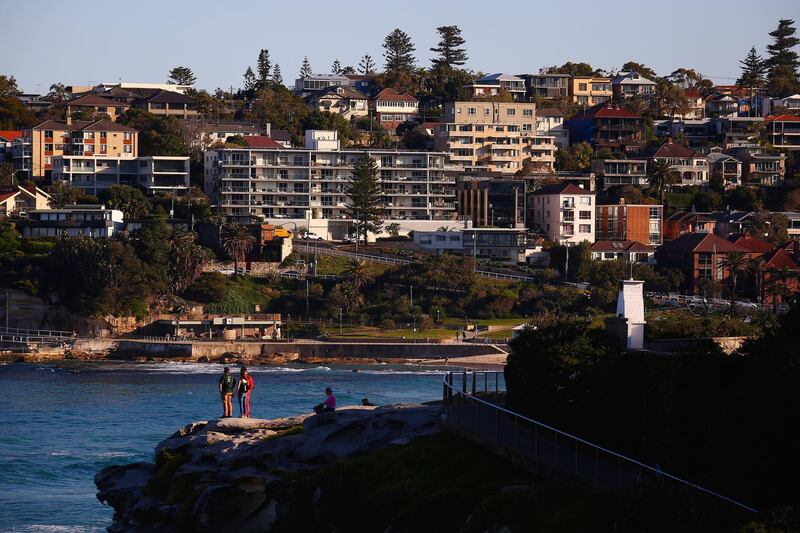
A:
{"x": 780, "y": 259}
{"x": 783, "y": 118}
{"x": 260, "y": 141}
{"x": 10, "y": 135}
{"x": 616, "y": 112}
{"x": 92, "y": 100}
{"x": 672, "y": 149}
{"x": 619, "y": 246}
{"x": 752, "y": 244}
{"x": 391, "y": 94}
{"x": 6, "y": 195}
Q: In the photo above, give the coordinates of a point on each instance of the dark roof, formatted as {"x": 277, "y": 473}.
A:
{"x": 615, "y": 112}
{"x": 231, "y": 126}
{"x": 701, "y": 242}
{"x": 260, "y": 141}
{"x": 562, "y": 188}
{"x": 549, "y": 112}
{"x": 106, "y": 125}
{"x": 780, "y": 259}
{"x": 621, "y": 246}
{"x": 280, "y": 135}
{"x": 169, "y": 97}
{"x": 391, "y": 94}
{"x": 752, "y": 244}
{"x": 82, "y": 125}
{"x": 689, "y": 216}
{"x": 672, "y": 149}
{"x": 92, "y": 100}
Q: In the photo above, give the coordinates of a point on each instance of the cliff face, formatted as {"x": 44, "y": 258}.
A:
{"x": 237, "y": 474}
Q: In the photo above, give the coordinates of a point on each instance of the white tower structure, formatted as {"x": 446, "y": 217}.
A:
{"x": 630, "y": 307}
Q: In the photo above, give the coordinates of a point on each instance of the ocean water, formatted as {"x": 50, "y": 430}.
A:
{"x": 61, "y": 423}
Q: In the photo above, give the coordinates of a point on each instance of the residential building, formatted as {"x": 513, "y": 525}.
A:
{"x": 780, "y": 266}
{"x": 565, "y": 213}
{"x": 92, "y": 104}
{"x": 547, "y": 86}
{"x": 308, "y": 185}
{"x": 725, "y": 168}
{"x": 496, "y": 244}
{"x": 392, "y": 108}
{"x": 682, "y": 223}
{"x": 701, "y": 259}
{"x": 790, "y": 104}
{"x": 690, "y": 165}
{"x": 34, "y": 152}
{"x": 93, "y": 174}
{"x": 90, "y": 220}
{"x": 319, "y": 82}
{"x": 754, "y": 246}
{"x": 760, "y": 168}
{"x": 621, "y": 172}
{"x": 18, "y": 199}
{"x": 721, "y": 105}
{"x": 794, "y": 224}
{"x": 631, "y": 84}
{"x": 495, "y": 136}
{"x": 783, "y": 131}
{"x": 7, "y": 138}
{"x": 219, "y": 131}
{"x": 550, "y": 122}
{"x": 630, "y": 222}
{"x": 282, "y": 137}
{"x": 588, "y": 91}
{"x": 629, "y": 251}
{"x": 737, "y": 130}
{"x": 343, "y": 101}
{"x": 607, "y": 126}
{"x": 697, "y": 106}
{"x": 728, "y": 224}
{"x": 136, "y": 86}
{"x": 269, "y": 244}
{"x": 491, "y": 200}
{"x": 495, "y": 84}
{"x": 696, "y": 132}
{"x": 169, "y": 104}
{"x": 364, "y": 83}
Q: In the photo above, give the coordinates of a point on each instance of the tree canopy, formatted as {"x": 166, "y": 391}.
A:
{"x": 181, "y": 76}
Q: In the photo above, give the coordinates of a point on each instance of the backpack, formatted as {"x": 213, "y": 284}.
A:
{"x": 227, "y": 383}
{"x": 251, "y": 384}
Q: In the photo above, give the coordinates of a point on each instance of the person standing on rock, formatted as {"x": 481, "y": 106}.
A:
{"x": 243, "y": 390}
{"x": 227, "y": 384}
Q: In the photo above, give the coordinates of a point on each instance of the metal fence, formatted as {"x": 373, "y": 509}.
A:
{"x": 552, "y": 452}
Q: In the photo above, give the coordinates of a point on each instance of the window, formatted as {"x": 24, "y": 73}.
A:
{"x": 103, "y": 148}
{"x": 585, "y": 228}
{"x": 655, "y": 213}
{"x": 585, "y": 215}
{"x": 511, "y": 111}
{"x": 471, "y": 111}
{"x": 487, "y": 111}
{"x": 127, "y": 149}
{"x": 527, "y": 127}
{"x": 103, "y": 134}
{"x": 583, "y": 86}
{"x": 569, "y": 229}
{"x": 569, "y": 216}
{"x": 586, "y": 200}
{"x": 527, "y": 112}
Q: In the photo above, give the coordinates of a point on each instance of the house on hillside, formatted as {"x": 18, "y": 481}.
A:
{"x": 691, "y": 165}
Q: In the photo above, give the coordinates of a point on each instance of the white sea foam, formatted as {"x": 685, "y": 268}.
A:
{"x": 52, "y": 528}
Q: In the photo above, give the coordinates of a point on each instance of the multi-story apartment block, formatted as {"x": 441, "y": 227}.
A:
{"x": 343, "y": 101}
{"x": 684, "y": 222}
{"x": 621, "y": 171}
{"x": 759, "y": 167}
{"x": 697, "y": 106}
{"x": 495, "y": 84}
{"x": 497, "y": 136}
{"x": 392, "y": 108}
{"x": 276, "y": 183}
{"x": 588, "y": 91}
{"x": 783, "y": 131}
{"x": 690, "y": 165}
{"x": 565, "y": 213}
{"x": 737, "y": 130}
{"x": 631, "y": 84}
{"x": 94, "y": 104}
{"x": 550, "y": 122}
{"x": 696, "y": 132}
{"x": 725, "y": 168}
{"x": 93, "y": 174}
{"x": 169, "y": 104}
{"x": 91, "y": 220}
{"x": 34, "y": 152}
{"x": 490, "y": 200}
{"x": 547, "y": 86}
{"x": 721, "y": 105}
{"x": 630, "y": 222}
{"x": 617, "y": 129}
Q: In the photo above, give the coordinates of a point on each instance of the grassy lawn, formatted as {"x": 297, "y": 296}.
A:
{"x": 486, "y": 321}
{"x": 362, "y": 332}
{"x": 334, "y": 266}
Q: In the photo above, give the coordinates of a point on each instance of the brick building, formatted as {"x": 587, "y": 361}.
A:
{"x": 634, "y": 222}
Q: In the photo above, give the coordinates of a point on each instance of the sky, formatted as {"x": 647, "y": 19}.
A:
{"x": 139, "y": 41}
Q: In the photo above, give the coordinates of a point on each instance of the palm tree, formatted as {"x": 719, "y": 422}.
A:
{"x": 356, "y": 273}
{"x": 351, "y": 296}
{"x": 661, "y": 176}
{"x": 735, "y": 262}
{"x": 58, "y": 93}
{"x": 757, "y": 269}
{"x": 237, "y": 241}
{"x": 778, "y": 289}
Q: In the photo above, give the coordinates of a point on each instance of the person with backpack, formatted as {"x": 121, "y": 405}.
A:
{"x": 243, "y": 390}
{"x": 227, "y": 384}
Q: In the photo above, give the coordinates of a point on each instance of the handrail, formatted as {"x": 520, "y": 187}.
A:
{"x": 447, "y": 382}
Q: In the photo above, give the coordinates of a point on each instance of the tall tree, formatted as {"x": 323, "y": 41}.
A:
{"x": 642, "y": 70}
{"x": 181, "y": 76}
{"x": 752, "y": 70}
{"x": 357, "y": 273}
{"x": 735, "y": 262}
{"x": 264, "y": 66}
{"x": 398, "y": 52}
{"x": 450, "y": 49}
{"x": 8, "y": 86}
{"x": 249, "y": 79}
{"x": 277, "y": 77}
{"x": 62, "y": 195}
{"x": 366, "y": 197}
{"x": 336, "y": 67}
{"x": 58, "y": 93}
{"x": 366, "y": 65}
{"x": 305, "y": 68}
{"x": 661, "y": 176}
{"x": 130, "y": 200}
{"x": 782, "y": 63}
{"x": 573, "y": 69}
{"x": 236, "y": 240}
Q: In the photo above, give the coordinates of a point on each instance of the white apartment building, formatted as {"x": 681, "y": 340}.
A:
{"x": 690, "y": 165}
{"x": 93, "y": 174}
{"x": 498, "y": 136}
{"x": 308, "y": 185}
{"x": 90, "y": 220}
{"x": 565, "y": 213}
{"x": 550, "y": 122}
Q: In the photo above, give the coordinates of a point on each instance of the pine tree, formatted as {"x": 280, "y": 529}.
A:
{"x": 277, "y": 78}
{"x": 366, "y": 65}
{"x": 305, "y": 68}
{"x": 782, "y": 63}
{"x": 181, "y": 76}
{"x": 366, "y": 196}
{"x": 336, "y": 68}
{"x": 398, "y": 52}
{"x": 752, "y": 70}
{"x": 264, "y": 66}
{"x": 249, "y": 79}
{"x": 450, "y": 48}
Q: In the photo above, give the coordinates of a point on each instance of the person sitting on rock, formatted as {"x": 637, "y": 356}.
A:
{"x": 243, "y": 390}
{"x": 227, "y": 384}
{"x": 328, "y": 405}
{"x": 366, "y": 403}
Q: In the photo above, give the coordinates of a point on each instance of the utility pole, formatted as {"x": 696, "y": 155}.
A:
{"x": 566, "y": 264}
{"x": 308, "y": 313}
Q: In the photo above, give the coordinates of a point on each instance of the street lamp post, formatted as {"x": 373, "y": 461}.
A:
{"x": 340, "y": 320}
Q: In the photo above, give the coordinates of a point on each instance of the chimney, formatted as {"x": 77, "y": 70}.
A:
{"x": 669, "y": 139}
{"x": 69, "y": 119}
